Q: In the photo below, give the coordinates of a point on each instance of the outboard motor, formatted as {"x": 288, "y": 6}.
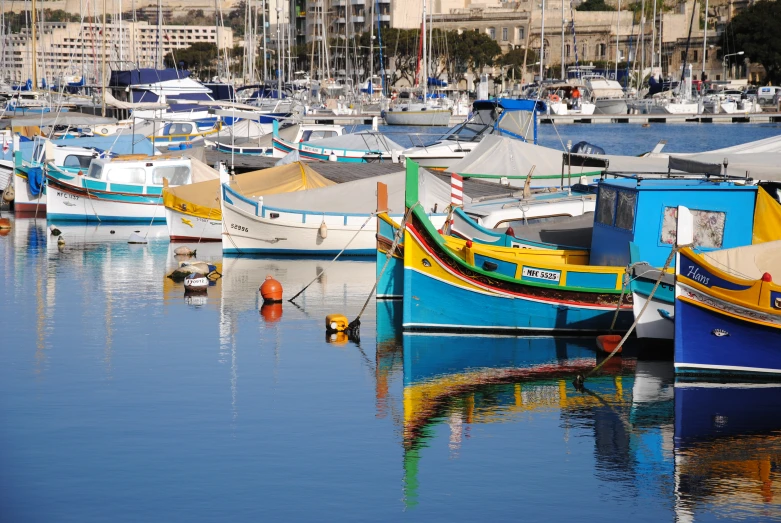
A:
{"x": 586, "y": 148}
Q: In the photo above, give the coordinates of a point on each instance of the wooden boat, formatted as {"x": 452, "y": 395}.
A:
{"x": 321, "y": 221}
{"x": 192, "y": 211}
{"x": 115, "y": 189}
{"x": 728, "y": 311}
{"x": 517, "y": 289}
{"x": 739, "y": 228}
{"x": 362, "y": 147}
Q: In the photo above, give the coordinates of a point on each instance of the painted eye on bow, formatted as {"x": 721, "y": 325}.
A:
{"x": 426, "y": 263}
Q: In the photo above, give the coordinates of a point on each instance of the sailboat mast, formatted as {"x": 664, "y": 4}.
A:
{"x": 423, "y": 37}
{"x": 542, "y": 43}
{"x": 265, "y": 52}
{"x": 371, "y": 47}
{"x": 563, "y": 23}
{"x": 704, "y": 41}
{"x": 103, "y": 66}
{"x": 34, "y": 48}
{"x": 159, "y": 33}
{"x": 618, "y": 35}
{"x": 279, "y": 53}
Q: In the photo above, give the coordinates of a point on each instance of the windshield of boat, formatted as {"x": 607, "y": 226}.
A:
{"x": 476, "y": 127}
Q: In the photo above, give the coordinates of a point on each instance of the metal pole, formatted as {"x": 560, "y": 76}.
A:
{"x": 563, "y": 22}
{"x": 279, "y": 54}
{"x": 704, "y": 41}
{"x": 618, "y": 34}
{"x": 542, "y": 43}
{"x": 35, "y": 48}
{"x": 103, "y": 66}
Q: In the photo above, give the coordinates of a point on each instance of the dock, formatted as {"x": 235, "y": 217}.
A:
{"x": 774, "y": 117}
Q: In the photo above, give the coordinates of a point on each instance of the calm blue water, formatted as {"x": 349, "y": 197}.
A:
{"x": 122, "y": 400}
{"x": 629, "y": 139}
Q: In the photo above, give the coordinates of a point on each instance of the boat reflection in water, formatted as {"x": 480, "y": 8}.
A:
{"x": 469, "y": 380}
{"x": 728, "y": 450}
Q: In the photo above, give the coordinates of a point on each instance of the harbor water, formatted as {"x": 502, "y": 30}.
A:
{"x": 122, "y": 399}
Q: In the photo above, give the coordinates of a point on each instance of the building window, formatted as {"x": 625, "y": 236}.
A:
{"x": 695, "y": 55}
{"x": 504, "y": 34}
{"x": 683, "y": 56}
{"x": 602, "y": 50}
{"x": 567, "y": 50}
{"x": 584, "y": 53}
{"x": 492, "y": 32}
{"x": 521, "y": 31}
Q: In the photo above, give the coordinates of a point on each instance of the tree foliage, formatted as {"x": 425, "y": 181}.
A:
{"x": 595, "y": 5}
{"x": 200, "y": 58}
{"x": 755, "y": 32}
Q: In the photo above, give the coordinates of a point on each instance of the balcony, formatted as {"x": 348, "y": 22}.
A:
{"x": 339, "y": 3}
{"x": 384, "y": 1}
{"x": 384, "y": 18}
{"x": 357, "y": 19}
{"x": 339, "y": 21}
{"x": 358, "y": 2}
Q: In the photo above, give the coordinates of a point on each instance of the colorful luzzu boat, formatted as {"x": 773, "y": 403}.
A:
{"x": 728, "y": 311}
{"x": 713, "y": 217}
{"x": 518, "y": 289}
{"x": 119, "y": 189}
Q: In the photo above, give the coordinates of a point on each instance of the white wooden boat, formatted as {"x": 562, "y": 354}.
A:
{"x": 321, "y": 221}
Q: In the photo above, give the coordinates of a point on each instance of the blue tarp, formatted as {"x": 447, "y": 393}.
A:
{"x": 511, "y": 104}
{"x": 436, "y": 82}
{"x": 145, "y": 76}
{"x": 222, "y": 91}
{"x": 35, "y": 180}
{"x": 123, "y": 144}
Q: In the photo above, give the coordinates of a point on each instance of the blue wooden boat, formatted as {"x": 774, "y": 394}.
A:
{"x": 728, "y": 311}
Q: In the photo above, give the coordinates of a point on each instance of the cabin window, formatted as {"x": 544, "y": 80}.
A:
{"x": 708, "y": 227}
{"x": 625, "y": 212}
{"x": 74, "y": 160}
{"x": 126, "y": 175}
{"x": 316, "y": 135}
{"x": 95, "y": 171}
{"x": 176, "y": 174}
{"x": 606, "y": 206}
{"x": 178, "y": 128}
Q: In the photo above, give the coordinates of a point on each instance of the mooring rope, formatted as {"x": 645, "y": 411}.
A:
{"x": 580, "y": 379}
{"x": 322, "y": 271}
{"x": 396, "y": 240}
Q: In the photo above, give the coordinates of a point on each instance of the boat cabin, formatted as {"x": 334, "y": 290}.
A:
{"x": 147, "y": 171}
{"x": 645, "y": 211}
{"x": 503, "y": 116}
{"x": 69, "y": 156}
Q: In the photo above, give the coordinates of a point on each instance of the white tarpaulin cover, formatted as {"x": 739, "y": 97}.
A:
{"x": 503, "y": 156}
{"x": 360, "y": 196}
{"x": 363, "y": 141}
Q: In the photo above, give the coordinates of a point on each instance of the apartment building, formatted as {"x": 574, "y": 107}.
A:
{"x": 70, "y": 50}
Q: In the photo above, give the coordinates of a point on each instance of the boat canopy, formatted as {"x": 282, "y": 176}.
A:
{"x": 360, "y": 196}
{"x": 362, "y": 141}
{"x": 202, "y": 199}
{"x": 750, "y": 261}
{"x": 145, "y": 76}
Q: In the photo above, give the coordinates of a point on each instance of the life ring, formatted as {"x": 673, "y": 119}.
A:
{"x": 555, "y": 98}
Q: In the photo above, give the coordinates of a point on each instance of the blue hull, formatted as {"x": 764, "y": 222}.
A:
{"x": 748, "y": 348}
{"x": 435, "y": 305}
{"x": 391, "y": 283}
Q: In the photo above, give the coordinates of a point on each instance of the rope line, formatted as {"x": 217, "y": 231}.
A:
{"x": 580, "y": 379}
{"x": 396, "y": 240}
{"x": 337, "y": 257}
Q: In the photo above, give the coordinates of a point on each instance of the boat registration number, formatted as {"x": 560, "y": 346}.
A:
{"x": 239, "y": 227}
{"x": 540, "y": 274}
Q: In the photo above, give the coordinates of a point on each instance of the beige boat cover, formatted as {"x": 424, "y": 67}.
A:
{"x": 202, "y": 199}
{"x": 749, "y": 262}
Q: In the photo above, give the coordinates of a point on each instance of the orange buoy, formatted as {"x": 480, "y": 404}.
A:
{"x": 5, "y": 223}
{"x": 609, "y": 342}
{"x": 271, "y": 312}
{"x": 271, "y": 290}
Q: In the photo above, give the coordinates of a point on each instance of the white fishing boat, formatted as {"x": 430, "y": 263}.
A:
{"x": 361, "y": 147}
{"x": 503, "y": 117}
{"x": 607, "y": 95}
{"x": 565, "y": 99}
{"x": 116, "y": 189}
{"x": 263, "y": 144}
{"x": 323, "y": 221}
